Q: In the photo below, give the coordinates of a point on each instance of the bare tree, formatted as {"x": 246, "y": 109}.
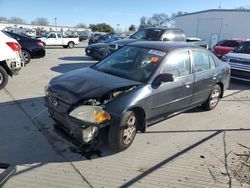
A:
{"x": 17, "y": 20}
{"x": 3, "y": 18}
{"x": 40, "y": 21}
{"x": 143, "y": 22}
{"x": 81, "y": 25}
{"x": 160, "y": 20}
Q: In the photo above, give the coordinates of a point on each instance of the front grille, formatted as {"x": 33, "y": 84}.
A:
{"x": 240, "y": 61}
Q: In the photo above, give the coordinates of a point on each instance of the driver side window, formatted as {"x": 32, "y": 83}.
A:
{"x": 53, "y": 35}
{"x": 178, "y": 64}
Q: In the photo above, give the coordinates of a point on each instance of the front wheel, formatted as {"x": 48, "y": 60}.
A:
{"x": 213, "y": 99}
{"x": 3, "y": 78}
{"x": 26, "y": 56}
{"x": 122, "y": 135}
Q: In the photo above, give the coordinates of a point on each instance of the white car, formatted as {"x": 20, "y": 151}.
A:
{"x": 10, "y": 58}
{"x": 56, "y": 39}
{"x": 239, "y": 61}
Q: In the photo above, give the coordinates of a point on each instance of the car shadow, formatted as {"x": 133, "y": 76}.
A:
{"x": 33, "y": 139}
{"x": 77, "y": 58}
{"x": 66, "y": 67}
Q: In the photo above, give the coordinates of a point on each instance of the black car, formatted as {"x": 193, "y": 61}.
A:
{"x": 239, "y": 61}
{"x": 134, "y": 87}
{"x": 31, "y": 48}
{"x": 100, "y": 38}
{"x": 100, "y": 50}
{"x": 151, "y": 34}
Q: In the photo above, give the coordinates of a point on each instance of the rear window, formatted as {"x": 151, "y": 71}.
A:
{"x": 228, "y": 43}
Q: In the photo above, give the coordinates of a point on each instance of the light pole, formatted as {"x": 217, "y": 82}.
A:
{"x": 219, "y": 4}
{"x": 55, "y": 24}
{"x": 118, "y": 25}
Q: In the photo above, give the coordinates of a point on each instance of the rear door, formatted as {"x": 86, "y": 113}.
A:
{"x": 204, "y": 74}
{"x": 174, "y": 96}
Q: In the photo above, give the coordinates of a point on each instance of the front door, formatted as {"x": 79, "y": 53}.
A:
{"x": 173, "y": 96}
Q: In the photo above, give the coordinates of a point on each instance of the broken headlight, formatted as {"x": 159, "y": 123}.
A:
{"x": 91, "y": 114}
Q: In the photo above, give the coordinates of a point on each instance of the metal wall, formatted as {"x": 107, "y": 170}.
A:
{"x": 215, "y": 25}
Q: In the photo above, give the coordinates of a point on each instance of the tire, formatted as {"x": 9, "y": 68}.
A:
{"x": 3, "y": 78}
{"x": 26, "y": 56}
{"x": 213, "y": 99}
{"x": 65, "y": 46}
{"x": 71, "y": 44}
{"x": 121, "y": 135}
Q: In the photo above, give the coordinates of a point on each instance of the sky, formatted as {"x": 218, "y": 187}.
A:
{"x": 113, "y": 12}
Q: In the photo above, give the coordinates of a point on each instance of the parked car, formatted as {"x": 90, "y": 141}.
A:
{"x": 225, "y": 46}
{"x": 100, "y": 50}
{"x": 10, "y": 58}
{"x": 94, "y": 38}
{"x": 151, "y": 34}
{"x": 31, "y": 48}
{"x": 57, "y": 39}
{"x": 135, "y": 87}
{"x": 102, "y": 37}
{"x": 197, "y": 41}
{"x": 239, "y": 60}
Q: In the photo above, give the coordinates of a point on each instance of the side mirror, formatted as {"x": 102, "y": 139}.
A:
{"x": 161, "y": 78}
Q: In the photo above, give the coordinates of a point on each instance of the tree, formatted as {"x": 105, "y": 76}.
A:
{"x": 17, "y": 20}
{"x": 40, "y": 21}
{"x": 3, "y": 18}
{"x": 102, "y": 27}
{"x": 81, "y": 25}
{"x": 143, "y": 22}
{"x": 132, "y": 28}
{"x": 157, "y": 20}
{"x": 174, "y": 15}
{"x": 160, "y": 20}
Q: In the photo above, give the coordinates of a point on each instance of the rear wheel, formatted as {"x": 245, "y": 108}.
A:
{"x": 71, "y": 44}
{"x": 122, "y": 135}
{"x": 26, "y": 56}
{"x": 213, "y": 99}
{"x": 3, "y": 78}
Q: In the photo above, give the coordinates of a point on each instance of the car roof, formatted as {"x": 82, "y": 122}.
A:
{"x": 163, "y": 46}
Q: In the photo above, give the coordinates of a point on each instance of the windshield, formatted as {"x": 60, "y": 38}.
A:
{"x": 148, "y": 34}
{"x": 243, "y": 48}
{"x": 132, "y": 63}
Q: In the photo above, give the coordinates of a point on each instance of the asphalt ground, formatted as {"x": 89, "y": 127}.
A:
{"x": 194, "y": 149}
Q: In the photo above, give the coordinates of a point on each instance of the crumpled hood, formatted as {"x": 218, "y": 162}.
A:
{"x": 86, "y": 83}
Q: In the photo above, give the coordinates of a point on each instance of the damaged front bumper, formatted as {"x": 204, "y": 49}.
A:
{"x": 83, "y": 131}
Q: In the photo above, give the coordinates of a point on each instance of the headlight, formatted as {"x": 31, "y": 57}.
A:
{"x": 91, "y": 114}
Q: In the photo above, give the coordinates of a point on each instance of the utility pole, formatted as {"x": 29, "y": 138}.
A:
{"x": 118, "y": 25}
{"x": 55, "y": 24}
{"x": 219, "y": 4}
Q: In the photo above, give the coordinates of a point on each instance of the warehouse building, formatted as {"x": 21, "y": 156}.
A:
{"x": 215, "y": 24}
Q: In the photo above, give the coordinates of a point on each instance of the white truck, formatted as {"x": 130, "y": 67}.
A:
{"x": 57, "y": 39}
{"x": 10, "y": 58}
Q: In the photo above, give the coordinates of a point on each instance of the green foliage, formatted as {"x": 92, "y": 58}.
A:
{"x": 132, "y": 28}
{"x": 102, "y": 27}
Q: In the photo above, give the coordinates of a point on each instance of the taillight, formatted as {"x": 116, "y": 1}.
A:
{"x": 40, "y": 44}
{"x": 14, "y": 46}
